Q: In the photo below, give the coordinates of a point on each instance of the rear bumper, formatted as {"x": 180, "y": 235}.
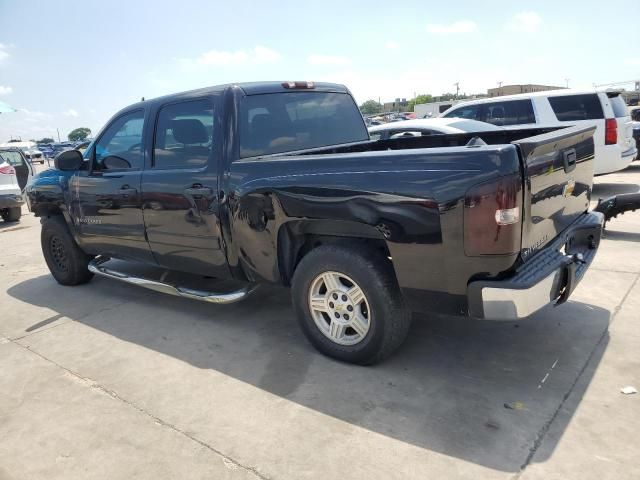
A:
{"x": 10, "y": 200}
{"x": 630, "y": 154}
{"x": 549, "y": 277}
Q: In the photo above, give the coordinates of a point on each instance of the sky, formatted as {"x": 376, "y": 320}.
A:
{"x": 68, "y": 64}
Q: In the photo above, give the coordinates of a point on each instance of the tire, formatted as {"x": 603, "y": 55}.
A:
{"x": 66, "y": 261}
{"x": 378, "y": 320}
{"x": 12, "y": 214}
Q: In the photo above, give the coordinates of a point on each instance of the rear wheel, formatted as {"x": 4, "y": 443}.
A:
{"x": 66, "y": 261}
{"x": 349, "y": 305}
{"x": 12, "y": 214}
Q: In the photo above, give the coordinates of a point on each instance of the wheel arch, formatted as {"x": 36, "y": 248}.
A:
{"x": 298, "y": 237}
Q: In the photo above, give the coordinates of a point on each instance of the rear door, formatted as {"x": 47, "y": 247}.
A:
{"x": 106, "y": 202}
{"x": 180, "y": 189}
{"x": 20, "y": 165}
{"x": 558, "y": 172}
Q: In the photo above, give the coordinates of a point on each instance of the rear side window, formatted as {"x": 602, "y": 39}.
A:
{"x": 284, "y": 122}
{"x": 514, "y": 112}
{"x": 619, "y": 107}
{"x": 469, "y": 111}
{"x": 577, "y": 107}
{"x": 184, "y": 135}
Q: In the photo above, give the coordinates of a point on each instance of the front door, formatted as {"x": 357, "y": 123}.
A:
{"x": 108, "y": 203}
{"x": 179, "y": 190}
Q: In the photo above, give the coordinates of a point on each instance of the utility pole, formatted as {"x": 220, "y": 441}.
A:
{"x": 566, "y": 82}
{"x": 500, "y": 84}
{"x": 58, "y": 130}
{"x": 457, "y": 84}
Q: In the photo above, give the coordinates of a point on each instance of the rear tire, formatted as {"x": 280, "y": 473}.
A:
{"x": 348, "y": 304}
{"x": 66, "y": 261}
{"x": 12, "y": 214}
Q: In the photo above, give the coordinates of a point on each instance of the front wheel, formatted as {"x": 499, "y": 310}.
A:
{"x": 66, "y": 261}
{"x": 348, "y": 304}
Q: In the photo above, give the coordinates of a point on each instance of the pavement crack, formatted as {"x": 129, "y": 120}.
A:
{"x": 90, "y": 383}
{"x": 547, "y": 425}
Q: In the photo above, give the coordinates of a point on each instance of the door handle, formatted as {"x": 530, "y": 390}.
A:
{"x": 569, "y": 158}
{"x": 197, "y": 191}
{"x": 126, "y": 190}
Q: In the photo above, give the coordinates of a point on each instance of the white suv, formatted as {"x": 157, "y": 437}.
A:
{"x": 614, "y": 144}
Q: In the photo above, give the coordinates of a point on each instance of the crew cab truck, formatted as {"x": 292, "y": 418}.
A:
{"x": 279, "y": 183}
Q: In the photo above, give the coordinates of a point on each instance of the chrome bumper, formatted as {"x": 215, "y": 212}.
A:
{"x": 548, "y": 277}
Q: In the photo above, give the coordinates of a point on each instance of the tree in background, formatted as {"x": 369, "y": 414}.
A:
{"x": 370, "y": 107}
{"x": 424, "y": 98}
{"x": 45, "y": 140}
{"x": 79, "y": 134}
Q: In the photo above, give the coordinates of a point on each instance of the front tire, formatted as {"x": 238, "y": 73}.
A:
{"x": 348, "y": 304}
{"x": 66, "y": 261}
{"x": 12, "y": 214}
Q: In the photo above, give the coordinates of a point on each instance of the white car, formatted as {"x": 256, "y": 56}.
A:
{"x": 614, "y": 144}
{"x": 11, "y": 199}
{"x": 428, "y": 126}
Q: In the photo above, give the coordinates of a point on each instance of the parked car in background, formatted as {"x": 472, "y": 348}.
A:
{"x": 23, "y": 167}
{"x": 82, "y": 146}
{"x": 28, "y": 148}
{"x": 429, "y": 126}
{"x": 635, "y": 124}
{"x": 615, "y": 148}
{"x": 46, "y": 149}
{"x": 11, "y": 199}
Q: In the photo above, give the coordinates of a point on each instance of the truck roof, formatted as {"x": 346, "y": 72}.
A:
{"x": 249, "y": 88}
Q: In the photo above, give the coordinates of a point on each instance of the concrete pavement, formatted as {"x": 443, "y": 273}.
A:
{"x": 110, "y": 381}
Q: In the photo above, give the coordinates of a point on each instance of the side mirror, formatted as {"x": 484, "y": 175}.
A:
{"x": 69, "y": 160}
{"x": 113, "y": 162}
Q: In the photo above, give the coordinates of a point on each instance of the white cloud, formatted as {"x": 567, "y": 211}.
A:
{"x": 4, "y": 54}
{"x": 528, "y": 22}
{"x": 70, "y": 113}
{"x": 632, "y": 62}
{"x": 265, "y": 55}
{"x": 461, "y": 26}
{"x": 259, "y": 54}
{"x": 316, "y": 59}
{"x": 5, "y": 90}
{"x": 392, "y": 45}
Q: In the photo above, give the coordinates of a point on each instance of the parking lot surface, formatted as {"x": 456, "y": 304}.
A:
{"x": 109, "y": 381}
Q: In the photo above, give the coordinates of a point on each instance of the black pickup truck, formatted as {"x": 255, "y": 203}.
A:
{"x": 279, "y": 183}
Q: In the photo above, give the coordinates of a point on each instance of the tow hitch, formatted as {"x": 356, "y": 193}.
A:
{"x": 614, "y": 206}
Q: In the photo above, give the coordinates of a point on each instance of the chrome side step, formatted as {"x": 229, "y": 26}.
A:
{"x": 96, "y": 266}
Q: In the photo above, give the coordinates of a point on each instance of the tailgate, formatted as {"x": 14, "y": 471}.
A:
{"x": 558, "y": 172}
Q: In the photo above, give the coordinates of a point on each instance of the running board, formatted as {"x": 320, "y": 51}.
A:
{"x": 96, "y": 266}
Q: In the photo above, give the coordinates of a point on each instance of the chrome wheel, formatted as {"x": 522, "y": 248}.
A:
{"x": 339, "y": 308}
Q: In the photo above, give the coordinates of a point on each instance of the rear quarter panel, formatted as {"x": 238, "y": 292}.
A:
{"x": 411, "y": 199}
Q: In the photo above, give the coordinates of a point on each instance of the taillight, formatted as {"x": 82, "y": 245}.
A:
{"x": 492, "y": 217}
{"x": 610, "y": 131}
{"x": 7, "y": 170}
{"x": 299, "y": 85}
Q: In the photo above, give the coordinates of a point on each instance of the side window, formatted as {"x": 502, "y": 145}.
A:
{"x": 576, "y": 107}
{"x": 468, "y": 111}
{"x": 409, "y": 133}
{"x": 184, "y": 134}
{"x": 122, "y": 140}
{"x": 514, "y": 112}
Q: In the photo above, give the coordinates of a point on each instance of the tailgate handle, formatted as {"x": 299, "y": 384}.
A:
{"x": 569, "y": 159}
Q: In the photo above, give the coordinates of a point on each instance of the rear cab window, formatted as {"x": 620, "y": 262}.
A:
{"x": 568, "y": 108}
{"x": 468, "y": 111}
{"x": 285, "y": 122}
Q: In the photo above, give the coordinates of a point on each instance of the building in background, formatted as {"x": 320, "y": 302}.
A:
{"x": 398, "y": 105}
{"x": 515, "y": 89}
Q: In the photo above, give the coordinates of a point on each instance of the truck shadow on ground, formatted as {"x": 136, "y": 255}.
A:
{"x": 484, "y": 392}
